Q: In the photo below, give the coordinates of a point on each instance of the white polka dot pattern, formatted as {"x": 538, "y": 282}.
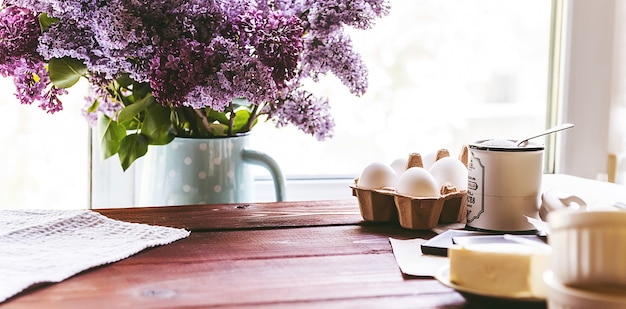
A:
{"x": 192, "y": 171}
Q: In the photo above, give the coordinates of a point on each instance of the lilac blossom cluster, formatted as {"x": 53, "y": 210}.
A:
{"x": 309, "y": 113}
{"x": 19, "y": 30}
{"x": 195, "y": 53}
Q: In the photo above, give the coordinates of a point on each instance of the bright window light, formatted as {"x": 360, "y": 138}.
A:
{"x": 441, "y": 74}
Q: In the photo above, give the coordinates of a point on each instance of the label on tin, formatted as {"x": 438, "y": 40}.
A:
{"x": 475, "y": 188}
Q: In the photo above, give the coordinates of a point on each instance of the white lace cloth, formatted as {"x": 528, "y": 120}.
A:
{"x": 38, "y": 246}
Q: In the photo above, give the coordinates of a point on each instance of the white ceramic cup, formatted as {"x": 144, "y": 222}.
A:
{"x": 588, "y": 248}
{"x": 504, "y": 185}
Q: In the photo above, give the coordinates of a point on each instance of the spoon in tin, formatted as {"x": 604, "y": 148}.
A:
{"x": 560, "y": 127}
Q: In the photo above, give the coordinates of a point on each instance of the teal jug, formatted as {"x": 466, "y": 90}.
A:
{"x": 204, "y": 171}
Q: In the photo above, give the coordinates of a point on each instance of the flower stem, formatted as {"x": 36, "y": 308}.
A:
{"x": 205, "y": 121}
{"x": 253, "y": 116}
{"x": 231, "y": 119}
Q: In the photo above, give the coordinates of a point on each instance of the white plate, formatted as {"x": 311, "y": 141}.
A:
{"x": 443, "y": 276}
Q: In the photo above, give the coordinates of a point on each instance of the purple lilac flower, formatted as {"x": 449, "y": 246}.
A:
{"x": 33, "y": 84}
{"x": 106, "y": 39}
{"x": 233, "y": 8}
{"x": 334, "y": 53}
{"x": 248, "y": 79}
{"x": 66, "y": 9}
{"x": 308, "y": 113}
{"x": 69, "y": 39}
{"x": 179, "y": 66}
{"x": 327, "y": 15}
{"x": 238, "y": 76}
{"x": 19, "y": 30}
{"x": 115, "y": 29}
{"x": 289, "y": 7}
{"x": 277, "y": 41}
{"x": 106, "y": 104}
{"x": 201, "y": 20}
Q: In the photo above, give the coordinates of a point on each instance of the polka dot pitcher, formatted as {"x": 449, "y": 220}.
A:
{"x": 204, "y": 171}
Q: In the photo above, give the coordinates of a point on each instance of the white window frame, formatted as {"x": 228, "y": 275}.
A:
{"x": 588, "y": 76}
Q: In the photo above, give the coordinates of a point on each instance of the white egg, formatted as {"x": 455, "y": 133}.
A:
{"x": 377, "y": 176}
{"x": 450, "y": 170}
{"x": 417, "y": 182}
{"x": 399, "y": 165}
{"x": 429, "y": 159}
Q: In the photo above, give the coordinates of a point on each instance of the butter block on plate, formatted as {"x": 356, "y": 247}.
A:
{"x": 500, "y": 269}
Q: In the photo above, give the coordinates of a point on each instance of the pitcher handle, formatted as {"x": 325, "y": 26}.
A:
{"x": 552, "y": 200}
{"x": 261, "y": 159}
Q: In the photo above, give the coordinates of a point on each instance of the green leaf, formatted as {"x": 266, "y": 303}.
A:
{"x": 219, "y": 116}
{"x": 110, "y": 134}
{"x": 45, "y": 21}
{"x": 65, "y": 72}
{"x": 186, "y": 122}
{"x": 141, "y": 90}
{"x": 157, "y": 126}
{"x": 129, "y": 112}
{"x": 132, "y": 147}
{"x": 241, "y": 119}
{"x": 124, "y": 81}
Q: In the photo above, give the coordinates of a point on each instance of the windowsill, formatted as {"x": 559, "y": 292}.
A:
{"x": 301, "y": 189}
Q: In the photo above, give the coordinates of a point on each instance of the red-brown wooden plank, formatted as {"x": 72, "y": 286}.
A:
{"x": 277, "y": 243}
{"x": 313, "y": 280}
{"x": 243, "y": 216}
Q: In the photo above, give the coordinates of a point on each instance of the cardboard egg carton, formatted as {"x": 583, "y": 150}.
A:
{"x": 421, "y": 213}
{"x": 376, "y": 205}
{"x": 416, "y": 213}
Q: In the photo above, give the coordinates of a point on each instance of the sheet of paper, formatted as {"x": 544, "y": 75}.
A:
{"x": 411, "y": 261}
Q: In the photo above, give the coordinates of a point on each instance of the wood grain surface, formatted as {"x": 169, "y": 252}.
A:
{"x": 317, "y": 254}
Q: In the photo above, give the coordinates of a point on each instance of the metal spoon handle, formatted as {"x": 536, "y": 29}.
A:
{"x": 560, "y": 127}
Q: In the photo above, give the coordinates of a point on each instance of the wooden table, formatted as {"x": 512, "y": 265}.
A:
{"x": 278, "y": 255}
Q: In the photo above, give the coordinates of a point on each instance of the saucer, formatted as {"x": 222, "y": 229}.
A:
{"x": 443, "y": 276}
{"x": 562, "y": 296}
